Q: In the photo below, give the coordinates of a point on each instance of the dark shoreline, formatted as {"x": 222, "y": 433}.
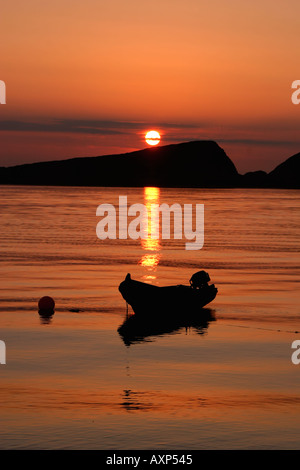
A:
{"x": 197, "y": 164}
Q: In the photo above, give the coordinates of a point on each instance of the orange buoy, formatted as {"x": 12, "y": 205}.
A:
{"x": 46, "y": 304}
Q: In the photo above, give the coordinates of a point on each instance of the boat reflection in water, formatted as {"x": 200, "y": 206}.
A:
{"x": 138, "y": 329}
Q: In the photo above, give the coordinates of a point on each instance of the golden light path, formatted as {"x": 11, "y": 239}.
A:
{"x": 150, "y": 260}
{"x": 152, "y": 138}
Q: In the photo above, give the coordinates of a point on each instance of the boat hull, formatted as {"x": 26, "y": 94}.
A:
{"x": 146, "y": 298}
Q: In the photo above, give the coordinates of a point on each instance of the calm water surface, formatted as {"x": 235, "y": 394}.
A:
{"x": 72, "y": 382}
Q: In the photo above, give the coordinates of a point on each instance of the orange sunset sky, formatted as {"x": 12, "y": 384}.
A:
{"x": 90, "y": 77}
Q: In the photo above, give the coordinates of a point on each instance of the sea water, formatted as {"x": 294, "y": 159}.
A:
{"x": 71, "y": 382}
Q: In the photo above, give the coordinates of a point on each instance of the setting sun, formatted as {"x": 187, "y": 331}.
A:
{"x": 152, "y": 138}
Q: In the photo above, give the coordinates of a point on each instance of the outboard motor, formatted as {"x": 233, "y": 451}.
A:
{"x": 199, "y": 280}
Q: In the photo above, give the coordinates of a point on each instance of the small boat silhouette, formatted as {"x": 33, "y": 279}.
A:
{"x": 170, "y": 300}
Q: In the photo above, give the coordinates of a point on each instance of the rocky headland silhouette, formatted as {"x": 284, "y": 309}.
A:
{"x": 189, "y": 164}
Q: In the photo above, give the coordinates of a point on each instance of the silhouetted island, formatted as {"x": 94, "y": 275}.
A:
{"x": 189, "y": 164}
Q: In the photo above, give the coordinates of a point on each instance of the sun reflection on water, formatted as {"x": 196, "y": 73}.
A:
{"x": 151, "y": 260}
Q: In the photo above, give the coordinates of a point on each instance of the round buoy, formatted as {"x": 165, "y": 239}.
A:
{"x": 46, "y": 304}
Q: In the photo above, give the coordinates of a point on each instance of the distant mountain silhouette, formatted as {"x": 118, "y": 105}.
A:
{"x": 287, "y": 174}
{"x": 190, "y": 164}
{"x": 255, "y": 179}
